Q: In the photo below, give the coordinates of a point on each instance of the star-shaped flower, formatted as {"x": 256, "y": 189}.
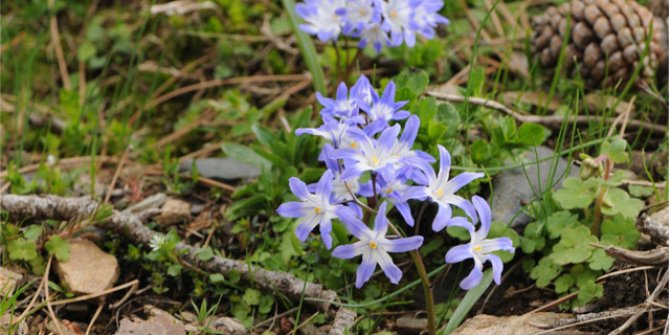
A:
{"x": 313, "y": 209}
{"x": 441, "y": 190}
{"x": 480, "y": 249}
{"x": 374, "y": 246}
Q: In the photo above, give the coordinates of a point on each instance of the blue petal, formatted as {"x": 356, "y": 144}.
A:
{"x": 497, "y": 265}
{"x": 484, "y": 212}
{"x": 472, "y": 279}
{"x": 445, "y": 163}
{"x": 364, "y": 272}
{"x": 349, "y": 250}
{"x": 325, "y": 227}
{"x": 355, "y": 226}
{"x": 291, "y": 209}
{"x": 411, "y": 129}
{"x": 406, "y": 212}
{"x": 463, "y": 179}
{"x": 390, "y": 270}
{"x": 388, "y": 137}
{"x": 298, "y": 187}
{"x": 442, "y": 218}
{"x": 416, "y": 192}
{"x": 325, "y": 185}
{"x": 403, "y": 244}
{"x": 459, "y": 253}
{"x": 381, "y": 222}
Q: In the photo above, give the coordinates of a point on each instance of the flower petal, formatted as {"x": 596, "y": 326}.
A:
{"x": 349, "y": 250}
{"x": 497, "y": 265}
{"x": 472, "y": 279}
{"x": 459, "y": 253}
{"x": 355, "y": 226}
{"x": 416, "y": 192}
{"x": 390, "y": 270}
{"x": 291, "y": 209}
{"x": 406, "y": 212}
{"x": 306, "y": 227}
{"x": 445, "y": 163}
{"x": 461, "y": 180}
{"x": 381, "y": 222}
{"x": 484, "y": 212}
{"x": 325, "y": 227}
{"x": 298, "y": 187}
{"x": 325, "y": 185}
{"x": 402, "y": 244}
{"x": 388, "y": 137}
{"x": 365, "y": 271}
{"x": 442, "y": 218}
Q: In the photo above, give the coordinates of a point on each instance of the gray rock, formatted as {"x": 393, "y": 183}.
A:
{"x": 89, "y": 269}
{"x": 410, "y": 325}
{"x": 228, "y": 325}
{"x": 221, "y": 168}
{"x": 513, "y": 189}
{"x": 8, "y": 281}
{"x": 174, "y": 211}
{"x": 656, "y": 226}
{"x": 527, "y": 324}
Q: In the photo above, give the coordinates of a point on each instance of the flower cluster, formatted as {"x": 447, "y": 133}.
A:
{"x": 375, "y": 22}
{"x": 369, "y": 159}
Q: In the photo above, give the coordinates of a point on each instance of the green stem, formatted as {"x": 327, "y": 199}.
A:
{"x": 427, "y": 291}
{"x": 597, "y": 211}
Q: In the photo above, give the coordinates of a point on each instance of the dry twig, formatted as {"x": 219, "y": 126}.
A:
{"x": 129, "y": 225}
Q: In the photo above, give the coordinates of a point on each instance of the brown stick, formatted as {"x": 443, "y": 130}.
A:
{"x": 129, "y": 225}
{"x": 58, "y": 49}
{"x": 549, "y": 120}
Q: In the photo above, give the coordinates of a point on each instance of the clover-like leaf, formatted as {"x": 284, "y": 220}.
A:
{"x": 574, "y": 246}
{"x": 252, "y": 296}
{"x": 576, "y": 193}
{"x": 59, "y": 248}
{"x": 545, "y": 271}
{"x": 600, "y": 260}
{"x": 563, "y": 283}
{"x": 615, "y": 150}
{"x": 620, "y": 231}
{"x": 22, "y": 250}
{"x": 558, "y": 221}
{"x": 617, "y": 201}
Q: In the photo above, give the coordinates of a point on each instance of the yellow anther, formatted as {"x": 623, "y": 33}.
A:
{"x": 375, "y": 161}
{"x": 353, "y": 145}
{"x": 388, "y": 190}
{"x": 318, "y": 210}
{"x": 393, "y": 14}
{"x": 477, "y": 248}
{"x": 373, "y": 245}
{"x": 439, "y": 193}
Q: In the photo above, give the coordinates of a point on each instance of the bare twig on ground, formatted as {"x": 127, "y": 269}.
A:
{"x": 549, "y": 120}
{"x": 129, "y": 225}
{"x": 58, "y": 49}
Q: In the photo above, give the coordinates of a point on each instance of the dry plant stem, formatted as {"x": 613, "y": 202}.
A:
{"x": 95, "y": 317}
{"x": 550, "y": 120}
{"x": 597, "y": 211}
{"x": 45, "y": 282}
{"x": 116, "y": 175}
{"x": 129, "y": 225}
{"x": 58, "y": 49}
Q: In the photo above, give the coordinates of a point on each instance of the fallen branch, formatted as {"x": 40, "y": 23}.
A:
{"x": 549, "y": 120}
{"x": 129, "y": 225}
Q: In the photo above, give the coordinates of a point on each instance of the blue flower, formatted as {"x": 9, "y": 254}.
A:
{"x": 392, "y": 186}
{"x": 385, "y": 108}
{"x": 357, "y": 14}
{"x": 480, "y": 249}
{"x": 322, "y": 18}
{"x": 398, "y": 20}
{"x": 425, "y": 17}
{"x": 312, "y": 209}
{"x": 366, "y": 153}
{"x": 342, "y": 106}
{"x": 374, "y": 246}
{"x": 441, "y": 190}
{"x": 334, "y": 131}
{"x": 342, "y": 190}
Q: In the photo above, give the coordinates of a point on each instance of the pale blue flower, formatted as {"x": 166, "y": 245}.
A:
{"x": 322, "y": 18}
{"x": 480, "y": 249}
{"x": 426, "y": 18}
{"x": 313, "y": 209}
{"x": 366, "y": 153}
{"x": 374, "y": 246}
{"x": 385, "y": 108}
{"x": 441, "y": 190}
{"x": 341, "y": 107}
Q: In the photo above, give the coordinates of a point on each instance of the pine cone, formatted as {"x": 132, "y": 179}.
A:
{"x": 607, "y": 39}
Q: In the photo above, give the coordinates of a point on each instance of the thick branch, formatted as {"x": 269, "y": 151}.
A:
{"x": 130, "y": 225}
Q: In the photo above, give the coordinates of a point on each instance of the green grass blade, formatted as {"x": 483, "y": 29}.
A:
{"x": 468, "y": 301}
{"x": 306, "y": 48}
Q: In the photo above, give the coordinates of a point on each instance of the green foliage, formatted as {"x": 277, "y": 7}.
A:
{"x": 59, "y": 248}
{"x": 571, "y": 259}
